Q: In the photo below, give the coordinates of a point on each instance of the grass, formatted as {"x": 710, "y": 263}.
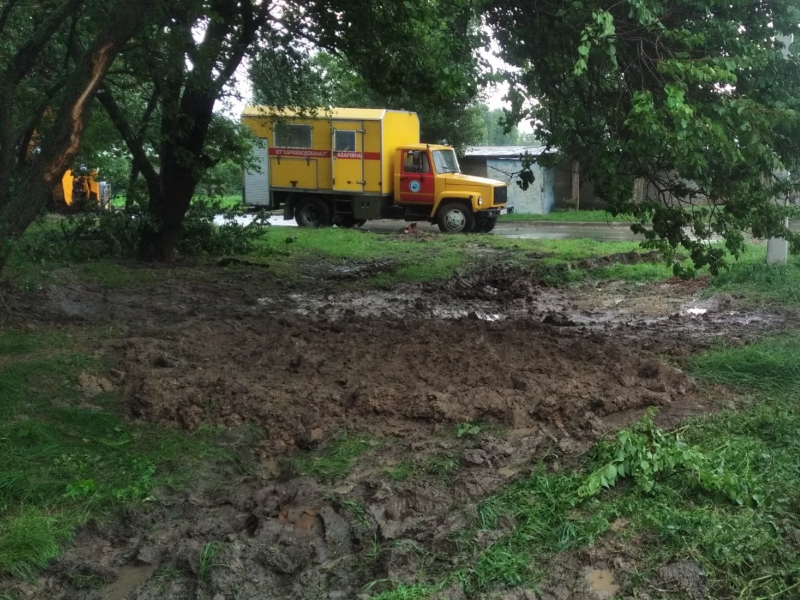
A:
{"x": 60, "y": 464}
{"x": 210, "y": 550}
{"x": 770, "y": 364}
{"x": 568, "y": 216}
{"x": 336, "y": 460}
{"x": 730, "y": 504}
{"x": 751, "y": 279}
{"x": 226, "y": 202}
{"x": 405, "y": 470}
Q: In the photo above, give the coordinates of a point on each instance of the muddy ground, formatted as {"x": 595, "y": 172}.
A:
{"x": 291, "y": 367}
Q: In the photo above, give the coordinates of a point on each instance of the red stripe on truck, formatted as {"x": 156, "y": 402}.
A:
{"x": 299, "y": 153}
{"x": 308, "y": 153}
{"x": 357, "y": 155}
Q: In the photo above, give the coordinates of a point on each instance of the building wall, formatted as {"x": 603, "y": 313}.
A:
{"x": 562, "y": 188}
{"x": 473, "y": 165}
{"x": 537, "y": 199}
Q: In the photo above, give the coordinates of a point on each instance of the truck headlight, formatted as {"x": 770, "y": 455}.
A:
{"x": 480, "y": 201}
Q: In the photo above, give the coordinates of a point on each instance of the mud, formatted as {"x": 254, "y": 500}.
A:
{"x": 401, "y": 378}
{"x": 542, "y": 371}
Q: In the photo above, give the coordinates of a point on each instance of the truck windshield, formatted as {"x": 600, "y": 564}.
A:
{"x": 445, "y": 161}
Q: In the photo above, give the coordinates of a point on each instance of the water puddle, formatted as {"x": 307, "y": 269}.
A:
{"x": 130, "y": 577}
{"x": 601, "y": 582}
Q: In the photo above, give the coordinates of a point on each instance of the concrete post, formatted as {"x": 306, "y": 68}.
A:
{"x": 777, "y": 251}
{"x": 778, "y": 248}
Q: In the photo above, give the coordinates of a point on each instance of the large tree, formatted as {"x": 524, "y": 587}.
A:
{"x": 53, "y": 56}
{"x": 183, "y": 73}
{"x": 698, "y": 98}
{"x": 179, "y": 75}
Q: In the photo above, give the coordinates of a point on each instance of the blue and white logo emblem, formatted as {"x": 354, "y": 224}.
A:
{"x": 414, "y": 186}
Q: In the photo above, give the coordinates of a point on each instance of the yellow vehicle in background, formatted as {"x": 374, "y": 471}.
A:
{"x": 80, "y": 192}
{"x": 344, "y": 166}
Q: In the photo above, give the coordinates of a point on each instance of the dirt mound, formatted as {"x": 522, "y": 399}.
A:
{"x": 386, "y": 377}
{"x": 498, "y": 282}
{"x": 620, "y": 258}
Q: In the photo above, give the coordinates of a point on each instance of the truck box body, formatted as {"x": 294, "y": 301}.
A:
{"x": 347, "y": 151}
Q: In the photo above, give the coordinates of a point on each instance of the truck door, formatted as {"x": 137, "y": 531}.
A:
{"x": 348, "y": 156}
{"x": 417, "y": 183}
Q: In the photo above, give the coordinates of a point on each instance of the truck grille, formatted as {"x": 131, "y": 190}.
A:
{"x": 500, "y": 195}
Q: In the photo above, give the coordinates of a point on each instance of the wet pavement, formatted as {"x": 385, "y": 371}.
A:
{"x": 606, "y": 232}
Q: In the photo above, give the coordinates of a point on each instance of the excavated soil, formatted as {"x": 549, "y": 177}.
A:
{"x": 288, "y": 367}
{"x": 387, "y": 377}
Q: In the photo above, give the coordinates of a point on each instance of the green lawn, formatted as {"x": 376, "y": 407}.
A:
{"x": 63, "y": 462}
{"x": 226, "y": 202}
{"x": 568, "y": 216}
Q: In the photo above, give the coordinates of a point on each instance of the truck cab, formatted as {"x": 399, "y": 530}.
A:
{"x": 428, "y": 182}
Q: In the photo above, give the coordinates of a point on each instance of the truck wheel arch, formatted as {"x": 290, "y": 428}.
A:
{"x": 448, "y": 205}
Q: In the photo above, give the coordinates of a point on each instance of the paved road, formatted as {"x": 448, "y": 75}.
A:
{"x": 521, "y": 230}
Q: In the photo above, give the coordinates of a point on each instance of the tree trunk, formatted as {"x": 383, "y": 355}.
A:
{"x": 168, "y": 210}
{"x": 131, "y": 190}
{"x": 27, "y": 185}
{"x": 576, "y": 183}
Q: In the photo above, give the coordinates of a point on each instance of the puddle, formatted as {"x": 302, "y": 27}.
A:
{"x": 130, "y": 577}
{"x": 601, "y": 582}
{"x": 664, "y": 321}
{"x": 508, "y": 472}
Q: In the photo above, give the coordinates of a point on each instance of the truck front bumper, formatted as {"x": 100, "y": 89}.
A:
{"x": 495, "y": 212}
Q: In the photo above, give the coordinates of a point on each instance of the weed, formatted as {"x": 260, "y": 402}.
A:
{"x": 468, "y": 430}
{"x": 401, "y": 472}
{"x": 210, "y": 550}
{"x": 335, "y": 461}
{"x": 357, "y": 513}
{"x": 87, "y": 581}
{"x": 441, "y": 465}
{"x": 402, "y": 592}
{"x": 29, "y": 540}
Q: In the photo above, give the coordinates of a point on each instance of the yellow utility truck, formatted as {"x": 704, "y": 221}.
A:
{"x": 79, "y": 192}
{"x": 344, "y": 166}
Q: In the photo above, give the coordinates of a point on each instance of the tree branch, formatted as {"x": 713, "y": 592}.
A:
{"x": 25, "y": 57}
{"x": 132, "y": 141}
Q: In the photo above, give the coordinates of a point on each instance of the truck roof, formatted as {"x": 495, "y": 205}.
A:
{"x": 360, "y": 114}
{"x": 426, "y": 146}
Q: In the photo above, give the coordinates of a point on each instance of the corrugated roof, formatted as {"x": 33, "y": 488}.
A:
{"x": 369, "y": 114}
{"x": 505, "y": 151}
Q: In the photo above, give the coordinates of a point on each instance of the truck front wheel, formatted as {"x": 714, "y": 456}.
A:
{"x": 485, "y": 225}
{"x": 312, "y": 212}
{"x": 455, "y": 217}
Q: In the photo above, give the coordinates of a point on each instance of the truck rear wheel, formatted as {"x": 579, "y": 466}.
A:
{"x": 312, "y": 212}
{"x": 455, "y": 217}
